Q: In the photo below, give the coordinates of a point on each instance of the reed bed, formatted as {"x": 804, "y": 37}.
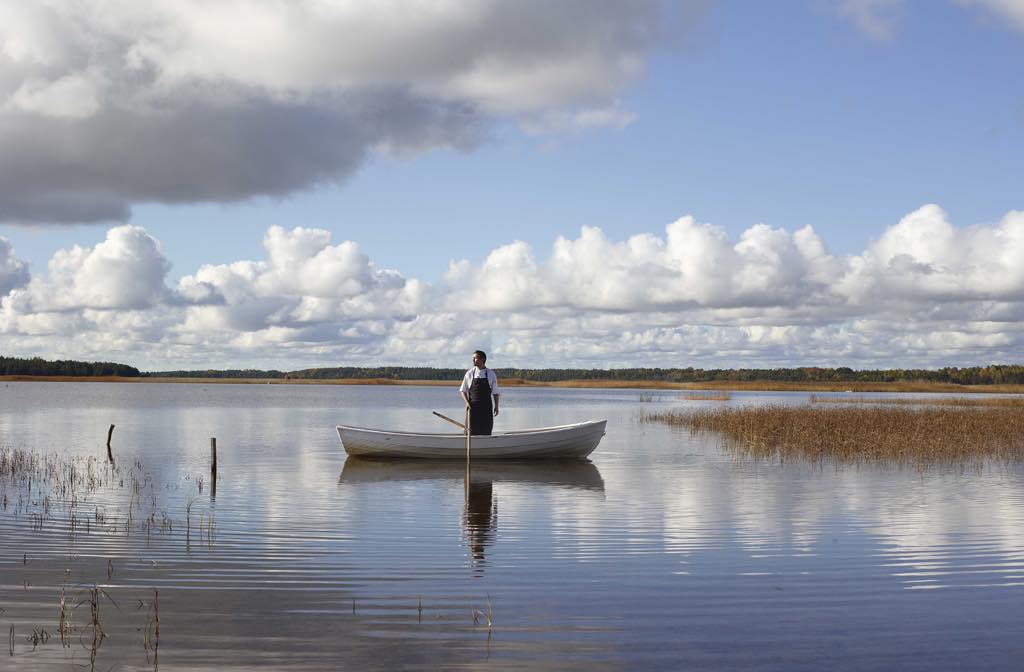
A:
{"x": 1011, "y": 402}
{"x": 847, "y": 386}
{"x": 73, "y": 493}
{"x": 91, "y": 496}
{"x": 709, "y": 395}
{"x": 929, "y": 435}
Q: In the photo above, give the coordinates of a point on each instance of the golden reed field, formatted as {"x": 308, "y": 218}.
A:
{"x": 922, "y": 401}
{"x": 945, "y": 433}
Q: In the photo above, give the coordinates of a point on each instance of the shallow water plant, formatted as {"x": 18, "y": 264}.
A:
{"x": 905, "y": 435}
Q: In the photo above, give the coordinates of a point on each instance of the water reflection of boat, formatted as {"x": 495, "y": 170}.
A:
{"x": 480, "y": 514}
{"x": 580, "y": 474}
{"x": 567, "y": 441}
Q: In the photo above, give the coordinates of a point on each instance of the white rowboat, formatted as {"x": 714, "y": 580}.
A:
{"x": 567, "y": 441}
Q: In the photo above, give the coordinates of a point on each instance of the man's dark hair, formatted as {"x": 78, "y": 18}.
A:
{"x": 483, "y": 355}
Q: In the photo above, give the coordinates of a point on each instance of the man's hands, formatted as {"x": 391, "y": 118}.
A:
{"x": 466, "y": 400}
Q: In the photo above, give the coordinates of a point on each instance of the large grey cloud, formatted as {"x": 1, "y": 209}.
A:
{"x": 108, "y": 103}
{"x": 90, "y": 169}
{"x": 13, "y": 271}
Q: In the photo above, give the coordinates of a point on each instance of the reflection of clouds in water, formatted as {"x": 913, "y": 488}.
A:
{"x": 558, "y": 497}
{"x": 576, "y": 532}
{"x": 699, "y": 499}
{"x": 942, "y": 533}
{"x": 933, "y": 529}
{"x": 651, "y": 492}
{"x": 787, "y": 513}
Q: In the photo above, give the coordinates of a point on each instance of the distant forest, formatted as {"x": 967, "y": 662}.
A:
{"x": 976, "y": 375}
{"x": 13, "y": 366}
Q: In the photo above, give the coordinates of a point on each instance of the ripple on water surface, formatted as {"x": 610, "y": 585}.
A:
{"x": 664, "y": 551}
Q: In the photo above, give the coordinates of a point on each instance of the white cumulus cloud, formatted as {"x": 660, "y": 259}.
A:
{"x": 924, "y": 257}
{"x": 306, "y": 286}
{"x": 693, "y": 266}
{"x": 1010, "y": 10}
{"x": 925, "y": 293}
{"x": 124, "y": 272}
{"x": 878, "y": 19}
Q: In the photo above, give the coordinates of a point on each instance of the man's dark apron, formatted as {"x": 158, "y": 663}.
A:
{"x": 481, "y": 410}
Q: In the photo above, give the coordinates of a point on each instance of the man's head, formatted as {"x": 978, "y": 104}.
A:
{"x": 479, "y": 358}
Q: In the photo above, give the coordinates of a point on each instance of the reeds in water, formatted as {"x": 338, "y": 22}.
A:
{"x": 965, "y": 402}
{"x": 706, "y": 395}
{"x": 487, "y": 614}
{"x": 903, "y": 435}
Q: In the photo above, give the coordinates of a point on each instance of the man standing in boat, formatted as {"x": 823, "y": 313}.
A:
{"x": 479, "y": 385}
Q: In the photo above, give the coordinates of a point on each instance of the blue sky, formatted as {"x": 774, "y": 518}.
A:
{"x": 843, "y": 116}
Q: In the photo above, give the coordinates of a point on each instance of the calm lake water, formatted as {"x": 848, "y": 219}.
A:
{"x": 665, "y": 551}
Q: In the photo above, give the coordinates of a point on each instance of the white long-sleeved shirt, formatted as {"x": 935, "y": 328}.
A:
{"x": 467, "y": 380}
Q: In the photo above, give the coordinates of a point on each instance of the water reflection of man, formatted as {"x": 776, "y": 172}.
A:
{"x": 479, "y": 518}
{"x": 479, "y": 386}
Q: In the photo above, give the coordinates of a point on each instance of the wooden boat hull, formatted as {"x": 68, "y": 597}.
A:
{"x": 565, "y": 442}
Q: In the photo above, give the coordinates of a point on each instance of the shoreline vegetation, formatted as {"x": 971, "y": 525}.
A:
{"x": 1005, "y": 378}
{"x": 723, "y": 386}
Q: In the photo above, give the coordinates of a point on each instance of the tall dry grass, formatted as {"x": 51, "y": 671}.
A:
{"x": 922, "y": 401}
{"x": 936, "y": 435}
{"x": 859, "y": 386}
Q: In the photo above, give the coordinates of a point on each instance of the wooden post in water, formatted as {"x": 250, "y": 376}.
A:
{"x": 110, "y": 433}
{"x": 213, "y": 466}
{"x": 469, "y": 441}
{"x": 469, "y": 436}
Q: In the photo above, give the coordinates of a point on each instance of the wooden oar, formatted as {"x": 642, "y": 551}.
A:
{"x": 454, "y": 422}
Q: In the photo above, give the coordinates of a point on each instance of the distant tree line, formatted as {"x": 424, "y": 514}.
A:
{"x": 14, "y": 366}
{"x": 975, "y": 375}
{"x": 218, "y": 373}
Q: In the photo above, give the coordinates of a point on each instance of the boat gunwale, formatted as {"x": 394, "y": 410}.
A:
{"x": 517, "y": 432}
